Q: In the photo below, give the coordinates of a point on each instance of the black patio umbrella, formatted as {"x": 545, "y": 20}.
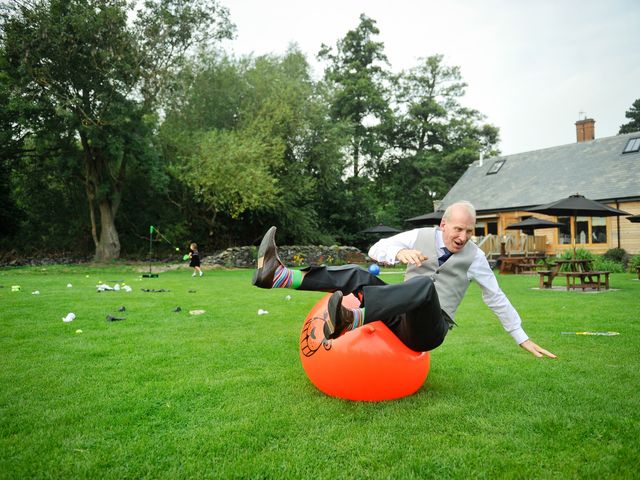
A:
{"x": 380, "y": 228}
{"x": 432, "y": 218}
{"x": 575, "y": 206}
{"x": 533, "y": 223}
{"x": 634, "y": 218}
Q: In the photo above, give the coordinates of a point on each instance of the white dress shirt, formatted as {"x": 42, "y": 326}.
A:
{"x": 385, "y": 251}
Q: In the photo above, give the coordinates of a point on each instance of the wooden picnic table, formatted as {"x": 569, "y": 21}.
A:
{"x": 525, "y": 267}
{"x": 584, "y": 280}
{"x": 579, "y": 275}
{"x": 519, "y": 263}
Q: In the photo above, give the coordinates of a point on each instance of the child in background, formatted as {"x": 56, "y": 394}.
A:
{"x": 194, "y": 257}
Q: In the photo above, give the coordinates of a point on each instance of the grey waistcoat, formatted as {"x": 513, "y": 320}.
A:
{"x": 450, "y": 279}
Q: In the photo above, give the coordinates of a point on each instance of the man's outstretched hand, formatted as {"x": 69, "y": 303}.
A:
{"x": 411, "y": 257}
{"x": 536, "y": 349}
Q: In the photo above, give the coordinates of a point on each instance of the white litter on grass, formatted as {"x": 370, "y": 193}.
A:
{"x": 35, "y": 292}
{"x": 262, "y": 312}
{"x": 196, "y": 312}
{"x": 78, "y": 331}
{"x": 69, "y": 318}
{"x": 69, "y": 285}
{"x": 288, "y": 297}
{"x": 15, "y": 288}
{"x": 103, "y": 287}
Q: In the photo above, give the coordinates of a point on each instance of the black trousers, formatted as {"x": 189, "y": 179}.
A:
{"x": 411, "y": 310}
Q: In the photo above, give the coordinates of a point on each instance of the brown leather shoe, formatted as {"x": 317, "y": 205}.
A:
{"x": 340, "y": 318}
{"x": 268, "y": 260}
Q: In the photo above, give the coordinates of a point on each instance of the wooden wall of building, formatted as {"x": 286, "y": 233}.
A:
{"x": 629, "y": 232}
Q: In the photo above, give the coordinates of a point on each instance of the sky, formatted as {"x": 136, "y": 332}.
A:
{"x": 533, "y": 68}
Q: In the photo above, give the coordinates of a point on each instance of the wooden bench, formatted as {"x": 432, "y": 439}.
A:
{"x": 517, "y": 263}
{"x": 546, "y": 278}
{"x": 526, "y": 267}
{"x": 508, "y": 264}
{"x": 584, "y": 280}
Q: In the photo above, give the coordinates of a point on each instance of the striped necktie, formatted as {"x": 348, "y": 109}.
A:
{"x": 444, "y": 257}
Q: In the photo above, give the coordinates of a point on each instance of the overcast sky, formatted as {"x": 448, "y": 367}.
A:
{"x": 531, "y": 66}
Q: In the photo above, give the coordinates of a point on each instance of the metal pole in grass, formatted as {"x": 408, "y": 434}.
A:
{"x": 604, "y": 334}
{"x": 150, "y": 275}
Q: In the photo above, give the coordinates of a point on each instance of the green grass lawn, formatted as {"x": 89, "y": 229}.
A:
{"x": 223, "y": 395}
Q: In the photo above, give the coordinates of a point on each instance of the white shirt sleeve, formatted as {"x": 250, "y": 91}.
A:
{"x": 495, "y": 298}
{"x": 385, "y": 250}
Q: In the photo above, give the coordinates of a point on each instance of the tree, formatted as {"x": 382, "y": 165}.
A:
{"x": 356, "y": 73}
{"x": 10, "y": 142}
{"x": 266, "y": 104}
{"x": 434, "y": 137}
{"x": 293, "y": 109}
{"x": 429, "y": 113}
{"x": 229, "y": 172}
{"x": 634, "y": 115}
{"x": 83, "y": 70}
{"x": 48, "y": 193}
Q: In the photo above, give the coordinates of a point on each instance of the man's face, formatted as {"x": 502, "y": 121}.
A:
{"x": 457, "y": 231}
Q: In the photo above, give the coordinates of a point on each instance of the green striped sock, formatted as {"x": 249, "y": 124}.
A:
{"x": 358, "y": 318}
{"x": 296, "y": 279}
{"x": 286, "y": 278}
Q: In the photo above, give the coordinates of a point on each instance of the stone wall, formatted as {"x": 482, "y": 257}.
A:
{"x": 234, "y": 257}
{"x": 245, "y": 257}
{"x": 15, "y": 259}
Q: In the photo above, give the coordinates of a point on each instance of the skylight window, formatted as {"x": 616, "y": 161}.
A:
{"x": 495, "y": 168}
{"x": 633, "y": 145}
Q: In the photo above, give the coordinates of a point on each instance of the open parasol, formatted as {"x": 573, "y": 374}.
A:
{"x": 380, "y": 228}
{"x": 432, "y": 218}
{"x": 533, "y": 223}
{"x": 575, "y": 206}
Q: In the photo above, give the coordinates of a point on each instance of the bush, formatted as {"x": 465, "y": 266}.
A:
{"x": 581, "y": 254}
{"x": 619, "y": 255}
{"x": 634, "y": 262}
{"x": 604, "y": 264}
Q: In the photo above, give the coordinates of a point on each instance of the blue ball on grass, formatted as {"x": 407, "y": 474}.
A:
{"x": 374, "y": 269}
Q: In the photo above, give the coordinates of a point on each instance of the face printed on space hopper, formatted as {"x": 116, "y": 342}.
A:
{"x": 313, "y": 335}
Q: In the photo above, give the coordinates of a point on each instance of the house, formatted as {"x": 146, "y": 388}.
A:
{"x": 502, "y": 188}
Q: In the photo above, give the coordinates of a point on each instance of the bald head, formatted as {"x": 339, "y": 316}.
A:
{"x": 457, "y": 206}
{"x": 457, "y": 224}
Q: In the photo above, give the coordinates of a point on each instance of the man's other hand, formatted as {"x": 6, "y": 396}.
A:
{"x": 536, "y": 349}
{"x": 411, "y": 257}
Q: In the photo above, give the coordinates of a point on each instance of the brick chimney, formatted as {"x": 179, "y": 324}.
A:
{"x": 585, "y": 130}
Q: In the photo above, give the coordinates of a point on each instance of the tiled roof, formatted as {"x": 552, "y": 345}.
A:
{"x": 596, "y": 169}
